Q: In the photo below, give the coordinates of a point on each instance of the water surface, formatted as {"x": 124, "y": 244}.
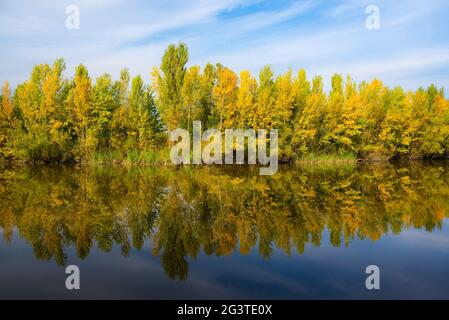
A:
{"x": 307, "y": 232}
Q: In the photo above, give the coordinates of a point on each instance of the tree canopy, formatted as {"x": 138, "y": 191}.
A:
{"x": 54, "y": 119}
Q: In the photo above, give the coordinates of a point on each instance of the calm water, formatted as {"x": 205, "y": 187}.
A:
{"x": 307, "y": 232}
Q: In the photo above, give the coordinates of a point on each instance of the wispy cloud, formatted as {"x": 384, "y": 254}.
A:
{"x": 322, "y": 36}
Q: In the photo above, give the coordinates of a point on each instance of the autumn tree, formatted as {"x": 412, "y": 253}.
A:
{"x": 434, "y": 129}
{"x": 6, "y": 103}
{"x": 307, "y": 124}
{"x": 284, "y": 110}
{"x": 225, "y": 95}
{"x": 342, "y": 125}
{"x": 105, "y": 99}
{"x": 264, "y": 116}
{"x": 372, "y": 97}
{"x": 40, "y": 100}
{"x": 168, "y": 81}
{"x": 144, "y": 117}
{"x": 52, "y": 119}
{"x": 6, "y": 119}
{"x": 242, "y": 115}
{"x": 207, "y": 82}
{"x": 191, "y": 97}
{"x": 79, "y": 104}
{"x": 121, "y": 116}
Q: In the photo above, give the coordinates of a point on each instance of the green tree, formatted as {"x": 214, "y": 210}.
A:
{"x": 80, "y": 108}
{"x": 105, "y": 100}
{"x": 168, "y": 82}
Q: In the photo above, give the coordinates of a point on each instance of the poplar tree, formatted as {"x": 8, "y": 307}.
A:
{"x": 168, "y": 81}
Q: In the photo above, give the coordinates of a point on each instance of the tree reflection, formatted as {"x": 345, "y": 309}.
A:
{"x": 185, "y": 211}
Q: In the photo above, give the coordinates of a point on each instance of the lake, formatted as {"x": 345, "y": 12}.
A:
{"x": 308, "y": 232}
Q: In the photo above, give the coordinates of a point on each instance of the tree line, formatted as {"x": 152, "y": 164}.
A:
{"x": 51, "y": 118}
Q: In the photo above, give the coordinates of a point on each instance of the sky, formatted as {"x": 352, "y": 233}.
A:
{"x": 411, "y": 47}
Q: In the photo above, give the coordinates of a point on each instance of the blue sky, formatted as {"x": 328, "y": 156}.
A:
{"x": 411, "y": 48}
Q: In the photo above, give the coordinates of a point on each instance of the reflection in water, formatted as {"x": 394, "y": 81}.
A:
{"x": 215, "y": 210}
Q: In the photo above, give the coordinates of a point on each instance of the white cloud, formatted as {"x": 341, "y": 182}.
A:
{"x": 321, "y": 36}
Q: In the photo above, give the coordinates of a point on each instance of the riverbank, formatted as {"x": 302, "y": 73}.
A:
{"x": 161, "y": 157}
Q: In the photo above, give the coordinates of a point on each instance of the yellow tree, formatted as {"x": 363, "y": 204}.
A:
{"x": 6, "y": 111}
{"x": 191, "y": 97}
{"x": 40, "y": 103}
{"x": 398, "y": 126}
{"x": 225, "y": 94}
{"x": 351, "y": 126}
{"x": 342, "y": 123}
{"x": 434, "y": 125}
{"x": 284, "y": 111}
{"x": 80, "y": 106}
{"x": 243, "y": 114}
{"x": 54, "y": 107}
{"x": 29, "y": 97}
{"x": 332, "y": 121}
{"x": 6, "y": 116}
{"x": 264, "y": 117}
{"x": 308, "y": 120}
{"x": 372, "y": 97}
{"x": 301, "y": 89}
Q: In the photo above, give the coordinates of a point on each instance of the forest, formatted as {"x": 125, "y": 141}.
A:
{"x": 52, "y": 119}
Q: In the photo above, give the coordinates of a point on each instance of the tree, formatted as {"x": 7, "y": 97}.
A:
{"x": 124, "y": 87}
{"x": 191, "y": 97}
{"x": 6, "y": 119}
{"x": 120, "y": 118}
{"x": 225, "y": 95}
{"x": 433, "y": 125}
{"x": 168, "y": 82}
{"x": 332, "y": 119}
{"x": 301, "y": 89}
{"x": 52, "y": 119}
{"x": 43, "y": 135}
{"x": 207, "y": 82}
{"x": 105, "y": 101}
{"x": 284, "y": 112}
{"x": 79, "y": 104}
{"x": 372, "y": 97}
{"x": 6, "y": 111}
{"x": 308, "y": 121}
{"x": 342, "y": 124}
{"x": 144, "y": 125}
{"x": 398, "y": 125}
{"x": 264, "y": 117}
{"x": 243, "y": 114}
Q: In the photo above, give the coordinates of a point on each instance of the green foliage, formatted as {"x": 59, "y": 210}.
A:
{"x": 169, "y": 81}
{"x": 52, "y": 119}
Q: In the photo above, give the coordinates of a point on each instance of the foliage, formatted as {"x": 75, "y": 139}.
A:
{"x": 53, "y": 119}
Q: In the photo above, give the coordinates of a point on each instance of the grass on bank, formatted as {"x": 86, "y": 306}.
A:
{"x": 313, "y": 158}
{"x": 131, "y": 158}
{"x": 162, "y": 157}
